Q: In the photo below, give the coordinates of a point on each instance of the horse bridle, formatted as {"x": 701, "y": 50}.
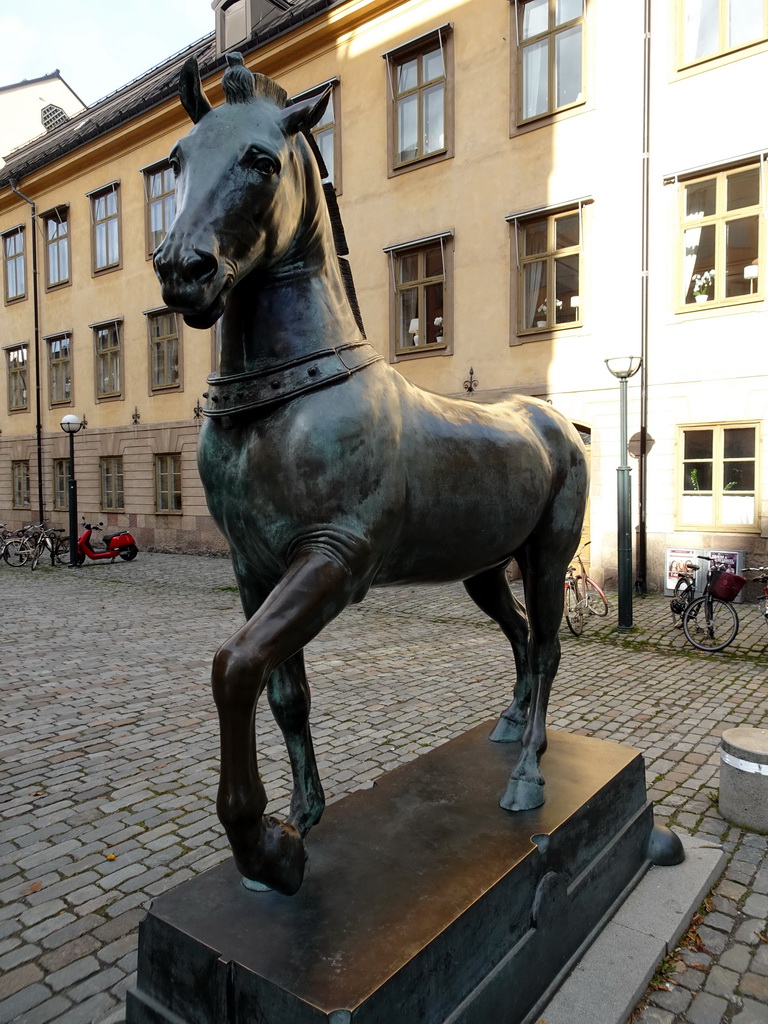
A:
{"x": 240, "y": 393}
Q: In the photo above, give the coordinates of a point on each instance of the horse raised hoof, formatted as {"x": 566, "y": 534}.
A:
{"x": 278, "y": 861}
{"x": 523, "y": 795}
{"x": 507, "y": 730}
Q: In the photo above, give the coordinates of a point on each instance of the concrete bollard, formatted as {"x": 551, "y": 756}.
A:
{"x": 744, "y": 777}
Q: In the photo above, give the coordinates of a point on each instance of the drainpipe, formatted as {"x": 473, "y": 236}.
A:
{"x": 36, "y": 315}
{"x": 641, "y": 576}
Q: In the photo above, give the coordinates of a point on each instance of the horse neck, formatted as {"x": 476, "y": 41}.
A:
{"x": 296, "y": 307}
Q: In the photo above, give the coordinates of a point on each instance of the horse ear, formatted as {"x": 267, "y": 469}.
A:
{"x": 191, "y": 91}
{"x": 305, "y": 114}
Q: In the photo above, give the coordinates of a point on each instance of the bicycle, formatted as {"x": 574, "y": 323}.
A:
{"x": 763, "y": 601}
{"x": 57, "y": 546}
{"x": 710, "y": 622}
{"x": 31, "y": 541}
{"x": 684, "y": 593}
{"x": 583, "y": 597}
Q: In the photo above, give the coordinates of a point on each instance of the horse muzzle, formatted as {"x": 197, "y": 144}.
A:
{"x": 190, "y": 282}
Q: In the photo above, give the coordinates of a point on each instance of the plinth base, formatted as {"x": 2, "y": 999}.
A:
{"x": 423, "y": 902}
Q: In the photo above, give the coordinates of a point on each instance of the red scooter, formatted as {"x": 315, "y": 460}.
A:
{"x": 121, "y": 544}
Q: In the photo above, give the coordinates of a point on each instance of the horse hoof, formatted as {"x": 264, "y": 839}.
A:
{"x": 522, "y": 795}
{"x": 253, "y": 886}
{"x": 278, "y": 862}
{"x": 507, "y": 731}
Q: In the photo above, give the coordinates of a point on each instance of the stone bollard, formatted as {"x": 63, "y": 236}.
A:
{"x": 744, "y": 777}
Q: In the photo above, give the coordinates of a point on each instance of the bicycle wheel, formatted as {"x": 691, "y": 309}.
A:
{"x": 39, "y": 548}
{"x": 710, "y": 631}
{"x": 574, "y": 610}
{"x": 61, "y": 551}
{"x": 597, "y": 602}
{"x": 17, "y": 551}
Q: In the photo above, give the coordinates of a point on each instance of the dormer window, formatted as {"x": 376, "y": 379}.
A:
{"x": 238, "y": 20}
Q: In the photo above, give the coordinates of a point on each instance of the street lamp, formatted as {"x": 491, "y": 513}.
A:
{"x": 70, "y": 424}
{"x": 624, "y": 367}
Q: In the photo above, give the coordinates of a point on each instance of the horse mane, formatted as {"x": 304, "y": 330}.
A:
{"x": 243, "y": 86}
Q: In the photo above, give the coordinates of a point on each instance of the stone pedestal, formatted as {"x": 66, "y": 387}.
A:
{"x": 423, "y": 902}
{"x": 744, "y": 777}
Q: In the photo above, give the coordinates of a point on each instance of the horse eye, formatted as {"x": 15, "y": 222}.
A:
{"x": 264, "y": 166}
{"x": 175, "y": 165}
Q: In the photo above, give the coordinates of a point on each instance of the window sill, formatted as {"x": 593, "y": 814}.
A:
{"x": 101, "y": 271}
{"x": 736, "y": 303}
{"x": 177, "y": 512}
{"x": 163, "y": 389}
{"x": 424, "y": 161}
{"x": 681, "y": 527}
{"x": 117, "y": 397}
{"x": 421, "y": 352}
{"x": 57, "y": 286}
{"x": 545, "y": 120}
{"x": 15, "y": 299}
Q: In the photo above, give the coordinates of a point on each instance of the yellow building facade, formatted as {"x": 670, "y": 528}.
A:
{"x": 527, "y": 190}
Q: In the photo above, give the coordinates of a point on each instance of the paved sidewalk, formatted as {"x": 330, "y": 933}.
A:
{"x": 110, "y": 748}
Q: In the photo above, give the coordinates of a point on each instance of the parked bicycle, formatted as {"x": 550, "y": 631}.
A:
{"x": 30, "y": 543}
{"x": 583, "y": 597}
{"x": 763, "y": 602}
{"x": 710, "y": 622}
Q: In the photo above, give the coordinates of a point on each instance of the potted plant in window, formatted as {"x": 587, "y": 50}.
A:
{"x": 701, "y": 285}
{"x": 439, "y": 326}
{"x": 541, "y": 312}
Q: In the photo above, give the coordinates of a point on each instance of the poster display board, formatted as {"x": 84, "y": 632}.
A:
{"x": 677, "y": 557}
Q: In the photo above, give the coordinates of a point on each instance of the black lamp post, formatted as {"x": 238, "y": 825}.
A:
{"x": 70, "y": 424}
{"x": 623, "y": 368}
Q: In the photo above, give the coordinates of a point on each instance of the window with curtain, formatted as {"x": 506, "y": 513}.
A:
{"x": 14, "y": 265}
{"x": 60, "y": 369}
{"x": 722, "y": 225}
{"x": 549, "y": 269}
{"x": 718, "y": 473}
{"x": 111, "y": 471}
{"x": 550, "y": 53}
{"x": 420, "y": 282}
{"x": 20, "y": 483}
{"x": 421, "y": 95}
{"x": 164, "y": 350}
{"x": 168, "y": 483}
{"x": 160, "y": 192}
{"x": 17, "y": 378}
{"x": 56, "y": 235}
{"x": 108, "y": 353}
{"x": 713, "y": 27}
{"x": 105, "y": 229}
{"x": 61, "y": 483}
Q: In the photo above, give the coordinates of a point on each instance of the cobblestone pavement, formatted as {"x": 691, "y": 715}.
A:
{"x": 109, "y": 741}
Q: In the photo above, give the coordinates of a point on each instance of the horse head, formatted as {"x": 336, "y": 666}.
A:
{"x": 241, "y": 180}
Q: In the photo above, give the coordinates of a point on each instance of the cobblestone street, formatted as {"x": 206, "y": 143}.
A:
{"x": 110, "y": 756}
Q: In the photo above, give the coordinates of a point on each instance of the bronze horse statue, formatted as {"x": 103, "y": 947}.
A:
{"x": 328, "y": 473}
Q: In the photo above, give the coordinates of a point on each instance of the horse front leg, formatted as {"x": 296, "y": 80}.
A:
{"x": 544, "y": 600}
{"x": 313, "y": 591}
{"x": 289, "y": 697}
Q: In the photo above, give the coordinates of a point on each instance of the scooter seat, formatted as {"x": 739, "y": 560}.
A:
{"x": 111, "y": 537}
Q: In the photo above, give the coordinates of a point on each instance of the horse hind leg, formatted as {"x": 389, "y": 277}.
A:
{"x": 543, "y": 573}
{"x": 491, "y": 593}
{"x": 289, "y": 698}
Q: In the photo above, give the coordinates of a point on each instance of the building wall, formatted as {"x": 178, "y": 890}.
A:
{"x": 703, "y": 364}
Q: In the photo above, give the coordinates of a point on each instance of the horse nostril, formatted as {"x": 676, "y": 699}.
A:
{"x": 199, "y": 266}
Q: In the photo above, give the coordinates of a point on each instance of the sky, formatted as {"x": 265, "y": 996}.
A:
{"x": 97, "y": 45}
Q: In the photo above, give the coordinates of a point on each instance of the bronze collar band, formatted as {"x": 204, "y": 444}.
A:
{"x": 243, "y": 392}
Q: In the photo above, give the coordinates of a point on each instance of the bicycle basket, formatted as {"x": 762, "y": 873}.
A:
{"x": 727, "y": 586}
